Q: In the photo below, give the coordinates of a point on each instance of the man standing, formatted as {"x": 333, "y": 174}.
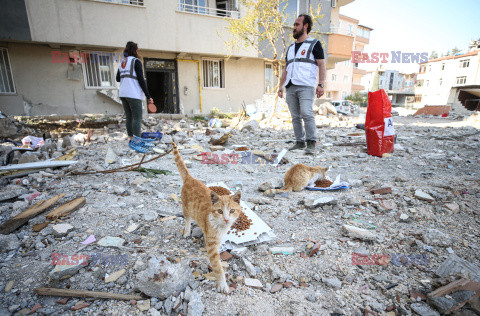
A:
{"x": 304, "y": 60}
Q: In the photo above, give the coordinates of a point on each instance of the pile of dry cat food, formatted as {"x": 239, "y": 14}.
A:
{"x": 325, "y": 183}
{"x": 220, "y": 190}
{"x": 242, "y": 223}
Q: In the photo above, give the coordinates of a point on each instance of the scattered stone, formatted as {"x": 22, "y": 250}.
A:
{"x": 239, "y": 252}
{"x": 35, "y": 308}
{"x": 315, "y": 249}
{"x": 110, "y": 241}
{"x": 197, "y": 232}
{"x": 454, "y": 207}
{"x": 326, "y": 200}
{"x": 225, "y": 256}
{"x": 114, "y": 276}
{"x": 276, "y": 287}
{"x": 9, "y": 286}
{"x": 249, "y": 267}
{"x": 434, "y": 237}
{"x": 150, "y": 216}
{"x": 110, "y": 157}
{"x": 80, "y": 305}
{"x": 61, "y": 230}
{"x": 251, "y": 126}
{"x": 132, "y": 227}
{"x": 454, "y": 265}
{"x": 9, "y": 242}
{"x": 195, "y": 305}
{"x": 404, "y": 217}
{"x": 424, "y": 310}
{"x": 381, "y": 191}
{"x": 162, "y": 278}
{"x": 266, "y": 186}
{"x": 333, "y": 282}
{"x": 387, "y": 205}
{"x": 62, "y": 301}
{"x": 360, "y": 233}
{"x": 143, "y": 305}
{"x": 253, "y": 283}
{"x": 68, "y": 266}
{"x": 419, "y": 194}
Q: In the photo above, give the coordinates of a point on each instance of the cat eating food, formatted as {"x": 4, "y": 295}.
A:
{"x": 297, "y": 178}
{"x": 214, "y": 214}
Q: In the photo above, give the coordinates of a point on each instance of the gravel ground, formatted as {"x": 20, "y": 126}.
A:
{"x": 436, "y": 157}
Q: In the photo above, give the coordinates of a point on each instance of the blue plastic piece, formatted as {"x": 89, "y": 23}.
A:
{"x": 141, "y": 145}
{"x": 155, "y": 135}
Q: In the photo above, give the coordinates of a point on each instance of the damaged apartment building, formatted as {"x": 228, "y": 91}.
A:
{"x": 61, "y": 56}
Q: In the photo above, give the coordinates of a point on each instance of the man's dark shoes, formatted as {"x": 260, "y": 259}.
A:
{"x": 298, "y": 145}
{"x": 310, "y": 147}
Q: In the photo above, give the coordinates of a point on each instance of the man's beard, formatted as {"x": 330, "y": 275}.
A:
{"x": 297, "y": 35}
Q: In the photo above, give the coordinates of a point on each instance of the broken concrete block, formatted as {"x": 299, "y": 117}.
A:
{"x": 253, "y": 283}
{"x": 249, "y": 267}
{"x": 110, "y": 241}
{"x": 454, "y": 265}
{"x": 333, "y": 282}
{"x": 360, "y": 233}
{"x": 419, "y": 194}
{"x": 195, "y": 305}
{"x": 162, "y": 278}
{"x": 61, "y": 230}
{"x": 143, "y": 305}
{"x": 111, "y": 156}
{"x": 424, "y": 310}
{"x": 9, "y": 242}
{"x": 434, "y": 237}
{"x": 250, "y": 126}
{"x": 239, "y": 252}
{"x": 315, "y": 202}
{"x": 276, "y": 287}
{"x": 454, "y": 207}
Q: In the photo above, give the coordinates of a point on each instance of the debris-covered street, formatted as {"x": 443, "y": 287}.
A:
{"x": 408, "y": 224}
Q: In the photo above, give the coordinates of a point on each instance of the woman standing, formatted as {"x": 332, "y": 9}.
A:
{"x": 132, "y": 88}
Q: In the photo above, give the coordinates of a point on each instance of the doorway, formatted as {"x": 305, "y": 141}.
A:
{"x": 161, "y": 75}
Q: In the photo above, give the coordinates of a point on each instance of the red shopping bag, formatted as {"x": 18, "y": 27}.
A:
{"x": 378, "y": 124}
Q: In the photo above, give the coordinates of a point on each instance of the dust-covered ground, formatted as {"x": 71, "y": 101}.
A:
{"x": 431, "y": 213}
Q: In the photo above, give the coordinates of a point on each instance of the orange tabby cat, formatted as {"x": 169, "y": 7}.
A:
{"x": 214, "y": 214}
{"x": 297, "y": 178}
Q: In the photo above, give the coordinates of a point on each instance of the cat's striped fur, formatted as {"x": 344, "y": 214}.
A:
{"x": 297, "y": 178}
{"x": 214, "y": 214}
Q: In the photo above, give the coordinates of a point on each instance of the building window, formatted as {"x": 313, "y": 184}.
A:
{"x": 213, "y": 73}
{"x": 345, "y": 79}
{"x": 464, "y": 63}
{"x": 132, "y": 2}
{"x": 443, "y": 66}
{"x": 422, "y": 68}
{"x": 461, "y": 80}
{"x": 344, "y": 95}
{"x": 429, "y": 68}
{"x": 98, "y": 69}
{"x": 441, "y": 81}
{"x": 269, "y": 78}
{"x": 418, "y": 98}
{"x": 347, "y": 63}
{"x": 427, "y": 82}
{"x": 194, "y": 6}
{"x": 329, "y": 95}
{"x": 6, "y": 78}
{"x": 334, "y": 77}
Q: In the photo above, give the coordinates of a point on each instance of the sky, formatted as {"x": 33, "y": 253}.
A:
{"x": 416, "y": 26}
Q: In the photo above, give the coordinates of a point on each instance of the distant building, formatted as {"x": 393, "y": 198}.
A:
{"x": 399, "y": 86}
{"x": 441, "y": 80}
{"x": 344, "y": 78}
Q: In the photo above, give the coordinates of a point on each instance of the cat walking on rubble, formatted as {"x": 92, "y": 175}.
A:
{"x": 214, "y": 214}
{"x": 297, "y": 178}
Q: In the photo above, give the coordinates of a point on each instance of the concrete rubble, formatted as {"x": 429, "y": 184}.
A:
{"x": 408, "y": 224}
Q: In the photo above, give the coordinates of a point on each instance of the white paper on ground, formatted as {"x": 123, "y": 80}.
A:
{"x": 258, "y": 232}
{"x": 335, "y": 185}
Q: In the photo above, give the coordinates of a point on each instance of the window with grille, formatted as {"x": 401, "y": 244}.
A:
{"x": 461, "y": 80}
{"x": 213, "y": 73}
{"x": 132, "y": 2}
{"x": 6, "y": 78}
{"x": 269, "y": 78}
{"x": 464, "y": 63}
{"x": 98, "y": 69}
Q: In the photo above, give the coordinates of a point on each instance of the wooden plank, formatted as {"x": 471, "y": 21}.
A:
{"x": 22, "y": 218}
{"x": 66, "y": 208}
{"x": 85, "y": 293}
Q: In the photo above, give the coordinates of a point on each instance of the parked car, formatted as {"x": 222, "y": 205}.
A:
{"x": 345, "y": 106}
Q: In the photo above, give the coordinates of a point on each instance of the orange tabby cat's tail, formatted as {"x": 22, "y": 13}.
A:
{"x": 182, "y": 168}
{"x": 275, "y": 191}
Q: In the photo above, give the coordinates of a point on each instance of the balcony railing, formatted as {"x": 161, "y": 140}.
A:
{"x": 191, "y": 8}
{"x": 128, "y": 2}
{"x": 340, "y": 30}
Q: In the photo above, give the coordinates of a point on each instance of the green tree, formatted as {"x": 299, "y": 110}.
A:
{"x": 262, "y": 28}
{"x": 433, "y": 55}
{"x": 455, "y": 50}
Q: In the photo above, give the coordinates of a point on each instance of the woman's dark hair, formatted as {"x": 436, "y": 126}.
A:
{"x": 131, "y": 49}
{"x": 307, "y": 19}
